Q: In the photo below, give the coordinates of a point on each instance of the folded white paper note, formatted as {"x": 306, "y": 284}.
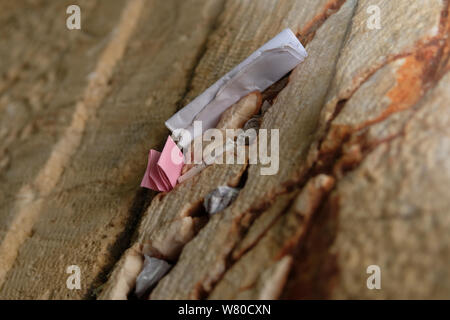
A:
{"x": 260, "y": 70}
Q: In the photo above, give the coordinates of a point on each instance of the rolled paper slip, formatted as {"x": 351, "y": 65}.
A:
{"x": 233, "y": 118}
{"x": 239, "y": 113}
{"x": 260, "y": 70}
{"x": 208, "y": 160}
{"x": 163, "y": 169}
{"x": 192, "y": 172}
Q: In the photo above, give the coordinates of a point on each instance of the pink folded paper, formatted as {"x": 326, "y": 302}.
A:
{"x": 163, "y": 168}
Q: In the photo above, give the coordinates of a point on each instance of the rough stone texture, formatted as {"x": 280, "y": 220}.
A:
{"x": 84, "y": 210}
{"x": 364, "y": 151}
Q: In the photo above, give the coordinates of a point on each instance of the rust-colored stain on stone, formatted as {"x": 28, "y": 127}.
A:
{"x": 409, "y": 85}
{"x": 347, "y": 194}
{"x": 309, "y": 30}
{"x": 420, "y": 70}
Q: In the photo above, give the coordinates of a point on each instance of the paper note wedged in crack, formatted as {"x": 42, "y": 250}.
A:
{"x": 260, "y": 70}
{"x": 163, "y": 168}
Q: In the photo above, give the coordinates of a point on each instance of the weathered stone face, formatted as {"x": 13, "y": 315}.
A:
{"x": 364, "y": 142}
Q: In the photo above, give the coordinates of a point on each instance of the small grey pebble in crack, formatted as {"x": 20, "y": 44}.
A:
{"x": 154, "y": 269}
{"x": 219, "y": 199}
{"x": 266, "y": 106}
